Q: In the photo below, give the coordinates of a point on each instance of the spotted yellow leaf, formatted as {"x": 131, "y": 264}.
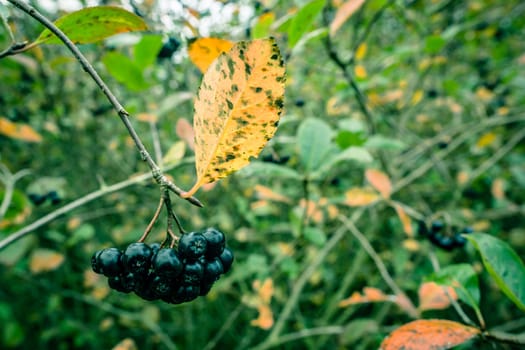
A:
{"x": 204, "y": 51}
{"x": 237, "y": 109}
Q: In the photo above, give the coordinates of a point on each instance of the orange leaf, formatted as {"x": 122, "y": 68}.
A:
{"x": 498, "y": 189}
{"x": 204, "y": 51}
{"x": 237, "y": 109}
{"x": 434, "y": 297}
{"x": 264, "y": 192}
{"x": 264, "y": 289}
{"x": 370, "y": 295}
{"x": 18, "y": 131}
{"x": 360, "y": 71}
{"x": 379, "y": 181}
{"x": 358, "y": 197}
{"x": 429, "y": 335}
{"x": 184, "y": 130}
{"x": 344, "y": 13}
{"x": 43, "y": 260}
{"x": 265, "y": 318}
{"x": 405, "y": 220}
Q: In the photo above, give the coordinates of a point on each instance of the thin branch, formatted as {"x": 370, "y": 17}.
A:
{"x": 71, "y": 206}
{"x": 9, "y": 181}
{"x": 305, "y": 333}
{"x": 153, "y": 221}
{"x": 158, "y": 176}
{"x": 8, "y": 28}
{"x": 379, "y": 264}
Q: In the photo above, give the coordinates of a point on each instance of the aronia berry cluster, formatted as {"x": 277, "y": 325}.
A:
{"x": 174, "y": 275}
{"x": 440, "y": 239}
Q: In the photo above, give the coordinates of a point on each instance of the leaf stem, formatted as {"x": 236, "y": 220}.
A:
{"x": 158, "y": 176}
{"x": 153, "y": 221}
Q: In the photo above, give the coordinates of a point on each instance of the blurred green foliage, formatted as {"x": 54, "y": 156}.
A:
{"x": 444, "y": 88}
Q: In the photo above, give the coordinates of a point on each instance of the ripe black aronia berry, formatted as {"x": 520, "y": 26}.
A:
{"x": 167, "y": 263}
{"x": 215, "y": 242}
{"x": 192, "y": 274}
{"x": 137, "y": 258}
{"x": 192, "y": 246}
{"x": 107, "y": 261}
{"x": 212, "y": 271}
{"x": 226, "y": 258}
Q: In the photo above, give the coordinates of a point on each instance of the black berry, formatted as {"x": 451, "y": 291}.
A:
{"x": 108, "y": 262}
{"x": 192, "y": 274}
{"x": 192, "y": 246}
{"x": 226, "y": 258}
{"x": 137, "y": 258}
{"x": 215, "y": 242}
{"x": 212, "y": 271}
{"x": 167, "y": 263}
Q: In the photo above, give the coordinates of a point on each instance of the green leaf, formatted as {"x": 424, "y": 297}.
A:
{"x": 146, "y": 50}
{"x": 269, "y": 170}
{"x": 357, "y": 154}
{"x": 93, "y": 24}
{"x": 345, "y": 139}
{"x": 261, "y": 29}
{"x": 314, "y": 139}
{"x": 503, "y": 264}
{"x": 463, "y": 279}
{"x": 15, "y": 251}
{"x": 303, "y": 20}
{"x": 434, "y": 44}
{"x": 315, "y": 236}
{"x": 83, "y": 233}
{"x": 384, "y": 143}
{"x": 125, "y": 71}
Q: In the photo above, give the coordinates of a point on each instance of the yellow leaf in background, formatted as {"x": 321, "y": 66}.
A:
{"x": 344, "y": 13}
{"x": 360, "y": 53}
{"x": 358, "y": 197}
{"x": 484, "y": 94}
{"x": 264, "y": 290}
{"x": 498, "y": 189}
{"x": 237, "y": 109}
{"x": 411, "y": 245}
{"x": 405, "y": 220}
{"x": 486, "y": 140}
{"x": 204, "y": 51}
{"x": 43, "y": 260}
{"x": 175, "y": 153}
{"x": 147, "y": 117}
{"x": 417, "y": 97}
{"x": 379, "y": 181}
{"x": 264, "y": 192}
{"x": 18, "y": 131}
{"x": 360, "y": 71}
{"x": 126, "y": 344}
{"x": 432, "y": 296}
{"x": 184, "y": 130}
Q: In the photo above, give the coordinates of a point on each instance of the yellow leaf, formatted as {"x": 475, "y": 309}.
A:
{"x": 405, "y": 220}
{"x": 486, "y": 140}
{"x": 360, "y": 53}
{"x": 360, "y": 71}
{"x": 417, "y": 97}
{"x": 147, "y": 117}
{"x": 498, "y": 189}
{"x": 126, "y": 344}
{"x": 370, "y": 295}
{"x": 18, "y": 131}
{"x": 204, "y": 51}
{"x": 264, "y": 192}
{"x": 344, "y": 13}
{"x": 175, "y": 153}
{"x": 265, "y": 318}
{"x": 237, "y": 109}
{"x": 379, "y": 181}
{"x": 358, "y": 197}
{"x": 411, "y": 245}
{"x": 43, "y": 260}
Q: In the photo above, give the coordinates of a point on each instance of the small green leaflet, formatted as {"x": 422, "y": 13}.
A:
{"x": 93, "y": 24}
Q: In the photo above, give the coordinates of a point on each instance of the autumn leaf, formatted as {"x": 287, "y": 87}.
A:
{"x": 405, "y": 220}
{"x": 379, "y": 181}
{"x": 204, "y": 51}
{"x": 43, "y": 260}
{"x": 237, "y": 109}
{"x": 93, "y": 24}
{"x": 429, "y": 335}
{"x": 358, "y": 197}
{"x": 19, "y": 131}
{"x": 432, "y": 296}
{"x": 369, "y": 295}
{"x": 344, "y": 13}
{"x": 184, "y": 130}
{"x": 264, "y": 192}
